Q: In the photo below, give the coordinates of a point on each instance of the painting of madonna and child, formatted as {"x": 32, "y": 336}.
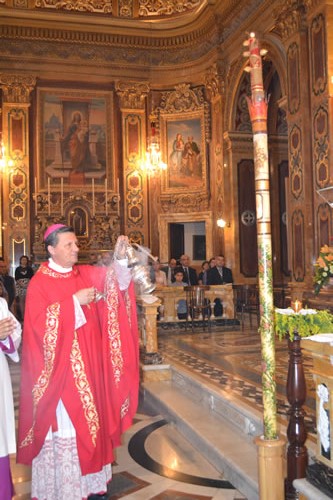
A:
{"x": 74, "y": 131}
{"x": 186, "y": 155}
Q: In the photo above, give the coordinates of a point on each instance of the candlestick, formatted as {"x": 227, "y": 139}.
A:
{"x": 106, "y": 196}
{"x": 93, "y": 195}
{"x": 48, "y": 196}
{"x": 62, "y": 196}
{"x": 36, "y": 207}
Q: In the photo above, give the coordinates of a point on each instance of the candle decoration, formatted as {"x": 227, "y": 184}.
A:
{"x": 297, "y": 305}
{"x": 257, "y": 104}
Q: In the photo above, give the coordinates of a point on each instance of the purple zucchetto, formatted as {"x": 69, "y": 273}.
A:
{"x": 52, "y": 228}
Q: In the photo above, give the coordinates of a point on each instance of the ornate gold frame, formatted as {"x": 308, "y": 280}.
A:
{"x": 163, "y": 228}
{"x": 190, "y": 175}
{"x": 99, "y": 111}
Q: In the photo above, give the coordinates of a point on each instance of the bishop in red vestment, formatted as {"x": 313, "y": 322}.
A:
{"x": 80, "y": 374}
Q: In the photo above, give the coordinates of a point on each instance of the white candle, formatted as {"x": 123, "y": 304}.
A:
{"x": 106, "y": 196}
{"x": 93, "y": 195}
{"x": 62, "y": 196}
{"x": 36, "y": 208}
{"x": 48, "y": 196}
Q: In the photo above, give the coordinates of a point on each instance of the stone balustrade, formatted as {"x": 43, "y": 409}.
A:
{"x": 170, "y": 296}
{"x": 152, "y": 367}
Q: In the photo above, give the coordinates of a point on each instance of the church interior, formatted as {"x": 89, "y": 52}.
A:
{"x": 132, "y": 117}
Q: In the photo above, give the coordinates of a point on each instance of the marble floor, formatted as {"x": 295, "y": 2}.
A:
{"x": 155, "y": 461}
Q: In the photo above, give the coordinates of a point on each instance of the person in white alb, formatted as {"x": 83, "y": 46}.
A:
{"x": 10, "y": 338}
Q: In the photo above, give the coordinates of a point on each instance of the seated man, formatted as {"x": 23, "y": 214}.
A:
{"x": 170, "y": 270}
{"x": 220, "y": 274}
{"x": 190, "y": 274}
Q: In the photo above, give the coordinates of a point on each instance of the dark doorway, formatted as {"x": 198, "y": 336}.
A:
{"x": 176, "y": 239}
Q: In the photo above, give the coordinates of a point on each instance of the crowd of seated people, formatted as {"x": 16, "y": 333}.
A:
{"x": 213, "y": 272}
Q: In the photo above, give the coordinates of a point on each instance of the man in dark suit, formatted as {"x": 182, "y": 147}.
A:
{"x": 170, "y": 270}
{"x": 190, "y": 274}
{"x": 219, "y": 275}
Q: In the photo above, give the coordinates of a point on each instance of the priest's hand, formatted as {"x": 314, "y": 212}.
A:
{"x": 86, "y": 295}
{"x": 7, "y": 327}
{"x": 121, "y": 247}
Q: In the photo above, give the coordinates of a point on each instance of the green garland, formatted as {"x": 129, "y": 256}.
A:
{"x": 304, "y": 324}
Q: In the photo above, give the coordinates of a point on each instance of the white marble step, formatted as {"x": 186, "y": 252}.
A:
{"x": 222, "y": 430}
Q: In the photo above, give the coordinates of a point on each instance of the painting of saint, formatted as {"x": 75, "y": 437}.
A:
{"x": 74, "y": 136}
{"x": 185, "y": 159}
{"x": 75, "y": 144}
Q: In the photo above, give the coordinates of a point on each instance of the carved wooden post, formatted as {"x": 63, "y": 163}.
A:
{"x": 297, "y": 455}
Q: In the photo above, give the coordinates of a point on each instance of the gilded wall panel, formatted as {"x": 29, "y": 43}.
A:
{"x": 293, "y": 78}
{"x": 296, "y": 161}
{"x": 324, "y": 220}
{"x": 321, "y": 147}
{"x": 242, "y": 118}
{"x": 298, "y": 250}
{"x": 134, "y": 199}
{"x": 318, "y": 55}
{"x": 17, "y": 125}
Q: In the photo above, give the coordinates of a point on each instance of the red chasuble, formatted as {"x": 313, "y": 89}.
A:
{"x": 94, "y": 370}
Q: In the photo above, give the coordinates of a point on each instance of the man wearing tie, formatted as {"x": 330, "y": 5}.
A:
{"x": 190, "y": 274}
{"x": 219, "y": 275}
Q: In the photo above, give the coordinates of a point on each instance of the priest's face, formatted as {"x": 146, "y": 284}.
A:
{"x": 65, "y": 252}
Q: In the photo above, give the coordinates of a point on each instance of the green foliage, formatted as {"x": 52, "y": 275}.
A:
{"x": 304, "y": 324}
{"x": 323, "y": 268}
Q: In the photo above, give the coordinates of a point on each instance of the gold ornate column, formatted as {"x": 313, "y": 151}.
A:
{"x": 132, "y": 96}
{"x": 16, "y": 194}
{"x": 221, "y": 199}
{"x": 293, "y": 26}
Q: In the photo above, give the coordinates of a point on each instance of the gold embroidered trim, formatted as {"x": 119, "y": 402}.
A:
{"x": 49, "y": 347}
{"x": 84, "y": 390}
{"x": 49, "y": 272}
{"x": 128, "y": 307}
{"x": 124, "y": 407}
{"x": 116, "y": 356}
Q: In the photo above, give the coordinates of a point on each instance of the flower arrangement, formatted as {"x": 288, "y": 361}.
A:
{"x": 306, "y": 322}
{"x": 323, "y": 268}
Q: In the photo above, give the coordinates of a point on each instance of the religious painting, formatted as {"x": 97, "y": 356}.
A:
{"x": 74, "y": 137}
{"x": 184, "y": 151}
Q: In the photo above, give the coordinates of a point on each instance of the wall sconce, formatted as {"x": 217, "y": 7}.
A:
{"x": 222, "y": 223}
{"x": 153, "y": 163}
{"x": 5, "y": 161}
